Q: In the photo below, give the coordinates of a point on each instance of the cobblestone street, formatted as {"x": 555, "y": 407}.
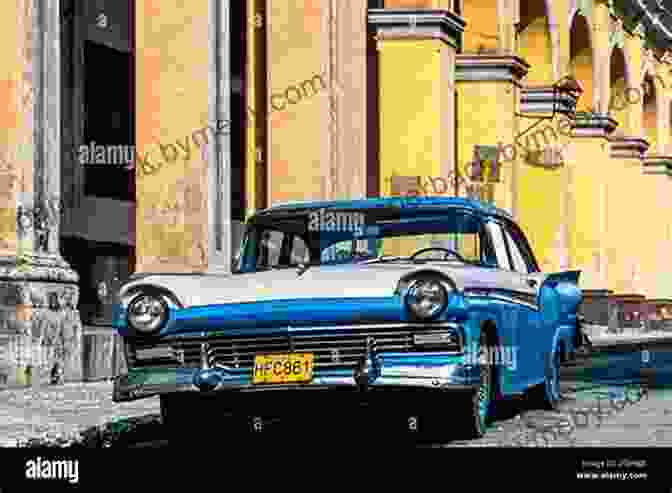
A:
{"x": 63, "y": 411}
{"x": 66, "y": 411}
{"x": 648, "y": 424}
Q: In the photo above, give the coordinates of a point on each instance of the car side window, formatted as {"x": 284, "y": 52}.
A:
{"x": 499, "y": 244}
{"x": 527, "y": 257}
{"x": 519, "y": 264}
{"x": 270, "y": 248}
{"x": 299, "y": 253}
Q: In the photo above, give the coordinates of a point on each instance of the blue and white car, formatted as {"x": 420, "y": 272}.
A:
{"x": 437, "y": 297}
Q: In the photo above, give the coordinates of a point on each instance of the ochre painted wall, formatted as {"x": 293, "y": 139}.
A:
{"x": 540, "y": 212}
{"x": 485, "y": 117}
{"x": 481, "y": 32}
{"x": 172, "y": 51}
{"x": 15, "y": 95}
{"x": 588, "y": 164}
{"x": 625, "y": 243}
{"x": 298, "y": 114}
{"x": 410, "y": 137}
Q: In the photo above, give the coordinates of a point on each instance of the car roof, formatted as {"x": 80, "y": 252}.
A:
{"x": 408, "y": 204}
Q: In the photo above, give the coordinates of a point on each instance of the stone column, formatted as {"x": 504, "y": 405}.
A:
{"x": 38, "y": 289}
{"x": 543, "y": 149}
{"x": 656, "y": 227}
{"x": 494, "y": 82}
{"x": 625, "y": 176}
{"x": 417, "y": 59}
{"x": 589, "y": 166}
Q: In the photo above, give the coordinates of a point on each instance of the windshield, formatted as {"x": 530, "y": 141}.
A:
{"x": 334, "y": 237}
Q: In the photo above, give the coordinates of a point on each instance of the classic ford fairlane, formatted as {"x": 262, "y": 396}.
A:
{"x": 356, "y": 301}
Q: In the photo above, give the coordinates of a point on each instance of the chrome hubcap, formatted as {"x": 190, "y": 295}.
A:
{"x": 484, "y": 388}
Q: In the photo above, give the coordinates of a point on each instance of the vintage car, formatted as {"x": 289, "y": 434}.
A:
{"x": 436, "y": 297}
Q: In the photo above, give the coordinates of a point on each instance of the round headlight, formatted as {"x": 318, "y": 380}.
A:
{"x": 147, "y": 314}
{"x": 427, "y": 298}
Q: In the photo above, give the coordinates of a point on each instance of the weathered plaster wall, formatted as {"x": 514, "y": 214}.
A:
{"x": 317, "y": 99}
{"x": 172, "y": 85}
{"x": 38, "y": 290}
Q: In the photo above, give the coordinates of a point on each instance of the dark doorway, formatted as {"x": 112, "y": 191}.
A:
{"x": 239, "y": 113}
{"x": 109, "y": 125}
{"x": 98, "y": 140}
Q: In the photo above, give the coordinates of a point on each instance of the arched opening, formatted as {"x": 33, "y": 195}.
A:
{"x": 618, "y": 82}
{"x": 581, "y": 59}
{"x": 534, "y": 41}
{"x": 650, "y": 114}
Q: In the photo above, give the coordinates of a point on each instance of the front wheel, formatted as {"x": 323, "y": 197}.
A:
{"x": 171, "y": 416}
{"x": 180, "y": 417}
{"x": 480, "y": 406}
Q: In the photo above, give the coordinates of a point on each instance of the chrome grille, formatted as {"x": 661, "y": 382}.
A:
{"x": 333, "y": 349}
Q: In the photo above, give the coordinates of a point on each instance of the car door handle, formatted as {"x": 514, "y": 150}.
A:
{"x": 532, "y": 283}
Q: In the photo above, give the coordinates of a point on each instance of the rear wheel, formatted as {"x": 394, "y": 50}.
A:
{"x": 547, "y": 394}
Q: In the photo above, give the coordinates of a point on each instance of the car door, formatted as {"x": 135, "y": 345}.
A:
{"x": 533, "y": 337}
{"x": 508, "y": 308}
{"x": 521, "y": 360}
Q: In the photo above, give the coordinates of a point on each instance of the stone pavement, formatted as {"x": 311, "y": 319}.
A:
{"x": 63, "y": 411}
{"x": 59, "y": 414}
{"x": 648, "y": 424}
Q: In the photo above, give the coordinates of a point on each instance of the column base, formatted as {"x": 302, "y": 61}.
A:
{"x": 40, "y": 325}
{"x": 596, "y": 306}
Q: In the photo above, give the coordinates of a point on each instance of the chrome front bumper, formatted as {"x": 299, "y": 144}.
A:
{"x": 147, "y": 382}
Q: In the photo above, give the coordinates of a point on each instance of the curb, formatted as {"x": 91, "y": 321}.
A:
{"x": 629, "y": 345}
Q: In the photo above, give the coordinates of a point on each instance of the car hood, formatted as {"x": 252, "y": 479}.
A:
{"x": 335, "y": 281}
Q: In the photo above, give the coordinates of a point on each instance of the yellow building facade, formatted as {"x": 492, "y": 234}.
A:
{"x": 411, "y": 87}
{"x": 442, "y": 77}
{"x": 239, "y": 105}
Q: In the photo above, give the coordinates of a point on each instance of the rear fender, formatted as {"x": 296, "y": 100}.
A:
{"x": 559, "y": 299}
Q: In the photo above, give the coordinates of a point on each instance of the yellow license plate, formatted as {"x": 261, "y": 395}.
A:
{"x": 283, "y": 368}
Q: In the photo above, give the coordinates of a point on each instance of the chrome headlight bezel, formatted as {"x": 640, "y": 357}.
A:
{"x": 422, "y": 292}
{"x": 159, "y": 316}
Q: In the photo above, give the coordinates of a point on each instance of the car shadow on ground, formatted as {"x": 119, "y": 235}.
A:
{"x": 393, "y": 425}
{"x": 352, "y": 428}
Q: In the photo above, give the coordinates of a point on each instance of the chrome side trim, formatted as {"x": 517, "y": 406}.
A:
{"x": 311, "y": 329}
{"x": 518, "y": 298}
